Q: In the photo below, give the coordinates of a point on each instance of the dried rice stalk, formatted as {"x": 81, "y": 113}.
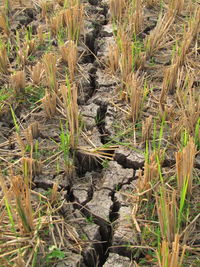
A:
{"x": 4, "y": 61}
{"x": 116, "y": 9}
{"x": 56, "y": 24}
{"x": 73, "y": 21}
{"x": 40, "y": 34}
{"x": 49, "y": 61}
{"x": 169, "y": 83}
{"x": 4, "y": 23}
{"x": 30, "y": 168}
{"x": 170, "y": 257}
{"x": 185, "y": 165}
{"x": 151, "y": 174}
{"x": 37, "y": 73}
{"x": 135, "y": 17}
{"x": 167, "y": 213}
{"x": 157, "y": 37}
{"x": 21, "y": 193}
{"x": 146, "y": 129}
{"x": 18, "y": 81}
{"x": 113, "y": 58}
{"x": 126, "y": 58}
{"x": 175, "y": 7}
{"x": 49, "y": 104}
{"x": 69, "y": 96}
{"x": 32, "y": 132}
{"x": 134, "y": 89}
{"x": 70, "y": 56}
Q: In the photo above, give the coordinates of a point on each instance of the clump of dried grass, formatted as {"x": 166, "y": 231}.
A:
{"x": 49, "y": 104}
{"x": 147, "y": 129}
{"x": 175, "y": 7}
{"x": 56, "y": 24}
{"x": 37, "y": 73}
{"x": 171, "y": 73}
{"x": 69, "y": 95}
{"x": 151, "y": 3}
{"x": 73, "y": 21}
{"x": 47, "y": 7}
{"x": 158, "y": 36}
{"x": 69, "y": 55}
{"x": 40, "y": 34}
{"x": 168, "y": 256}
{"x": 113, "y": 58}
{"x": 167, "y": 213}
{"x": 32, "y": 132}
{"x": 151, "y": 175}
{"x": 18, "y": 81}
{"x": 117, "y": 8}
{"x": 126, "y": 55}
{"x": 31, "y": 167}
{"x": 169, "y": 83}
{"x": 18, "y": 199}
{"x": 29, "y": 47}
{"x": 189, "y": 36}
{"x": 4, "y": 23}
{"x": 49, "y": 61}
{"x": 134, "y": 16}
{"x": 189, "y": 104}
{"x": 4, "y": 61}
{"x": 185, "y": 165}
{"x": 134, "y": 90}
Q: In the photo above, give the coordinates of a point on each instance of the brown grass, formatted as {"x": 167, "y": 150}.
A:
{"x": 49, "y": 104}
{"x": 30, "y": 168}
{"x": 37, "y": 73}
{"x": 32, "y": 132}
{"x": 69, "y": 95}
{"x": 147, "y": 129}
{"x": 18, "y": 81}
{"x": 49, "y": 61}
{"x": 135, "y": 17}
{"x": 151, "y": 175}
{"x": 73, "y": 21}
{"x": 55, "y": 24}
{"x": 4, "y": 61}
{"x": 113, "y": 58}
{"x": 134, "y": 89}
{"x": 3, "y": 23}
{"x": 18, "y": 197}
{"x": 189, "y": 110}
{"x": 157, "y": 38}
{"x": 185, "y": 165}
{"x": 170, "y": 256}
{"x": 117, "y": 8}
{"x": 126, "y": 57}
{"x": 69, "y": 55}
{"x": 167, "y": 213}
{"x": 175, "y": 7}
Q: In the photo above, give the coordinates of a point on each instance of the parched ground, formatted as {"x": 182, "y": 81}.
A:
{"x": 95, "y": 137}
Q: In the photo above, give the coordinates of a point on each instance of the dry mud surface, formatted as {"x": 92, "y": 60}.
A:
{"x": 95, "y": 196}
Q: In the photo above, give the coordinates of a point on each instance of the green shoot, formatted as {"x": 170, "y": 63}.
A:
{"x": 65, "y": 142}
{"x": 14, "y": 120}
{"x": 182, "y": 202}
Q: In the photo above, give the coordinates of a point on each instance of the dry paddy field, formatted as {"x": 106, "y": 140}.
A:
{"x": 100, "y": 133}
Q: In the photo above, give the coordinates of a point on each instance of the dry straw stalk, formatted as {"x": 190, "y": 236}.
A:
{"x": 185, "y": 165}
